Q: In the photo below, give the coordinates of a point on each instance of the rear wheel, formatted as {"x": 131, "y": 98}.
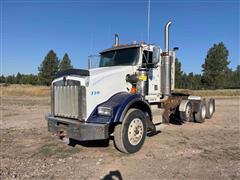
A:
{"x": 130, "y": 135}
{"x": 210, "y": 108}
{"x": 201, "y": 114}
{"x": 187, "y": 115}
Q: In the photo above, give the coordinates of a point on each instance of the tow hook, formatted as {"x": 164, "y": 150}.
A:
{"x": 61, "y": 135}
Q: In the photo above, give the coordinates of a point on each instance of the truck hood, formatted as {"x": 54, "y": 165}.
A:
{"x": 101, "y": 74}
{"x": 100, "y": 83}
{"x": 97, "y": 75}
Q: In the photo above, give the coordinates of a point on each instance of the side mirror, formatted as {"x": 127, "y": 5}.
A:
{"x": 156, "y": 55}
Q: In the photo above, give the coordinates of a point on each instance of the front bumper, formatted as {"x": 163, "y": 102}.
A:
{"x": 77, "y": 130}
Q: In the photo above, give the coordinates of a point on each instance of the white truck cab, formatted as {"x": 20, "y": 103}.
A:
{"x": 129, "y": 94}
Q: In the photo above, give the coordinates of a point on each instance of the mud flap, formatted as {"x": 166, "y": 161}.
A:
{"x": 150, "y": 125}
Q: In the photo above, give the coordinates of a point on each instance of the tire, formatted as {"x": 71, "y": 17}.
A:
{"x": 187, "y": 115}
{"x": 201, "y": 114}
{"x": 130, "y": 135}
{"x": 210, "y": 108}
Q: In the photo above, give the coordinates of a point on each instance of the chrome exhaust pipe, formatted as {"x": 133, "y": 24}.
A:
{"x": 167, "y": 36}
{"x": 116, "y": 43}
{"x": 166, "y": 66}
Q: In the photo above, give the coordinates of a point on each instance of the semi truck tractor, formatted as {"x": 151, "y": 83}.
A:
{"x": 129, "y": 95}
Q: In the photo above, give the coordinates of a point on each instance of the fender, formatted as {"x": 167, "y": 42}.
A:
{"x": 120, "y": 103}
{"x": 192, "y": 99}
{"x": 183, "y": 104}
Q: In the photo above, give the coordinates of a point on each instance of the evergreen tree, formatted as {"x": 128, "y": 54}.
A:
{"x": 18, "y": 78}
{"x": 29, "y": 79}
{"x": 215, "y": 66}
{"x": 194, "y": 81}
{"x": 178, "y": 74}
{"x": 48, "y": 68}
{"x": 10, "y": 79}
{"x": 238, "y": 70}
{"x": 198, "y": 83}
{"x": 65, "y": 63}
{"x": 236, "y": 78}
{"x": 2, "y": 79}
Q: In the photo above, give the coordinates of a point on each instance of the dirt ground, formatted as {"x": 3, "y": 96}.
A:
{"x": 190, "y": 151}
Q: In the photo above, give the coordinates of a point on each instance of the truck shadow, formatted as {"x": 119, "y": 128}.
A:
{"x": 175, "y": 119}
{"x": 94, "y": 143}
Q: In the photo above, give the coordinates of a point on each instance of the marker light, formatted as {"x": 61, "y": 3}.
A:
{"x": 133, "y": 90}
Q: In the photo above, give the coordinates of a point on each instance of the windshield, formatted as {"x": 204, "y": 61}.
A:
{"x": 121, "y": 57}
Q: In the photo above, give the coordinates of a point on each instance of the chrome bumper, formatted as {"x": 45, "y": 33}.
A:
{"x": 77, "y": 130}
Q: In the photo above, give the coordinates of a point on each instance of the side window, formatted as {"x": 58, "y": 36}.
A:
{"x": 147, "y": 57}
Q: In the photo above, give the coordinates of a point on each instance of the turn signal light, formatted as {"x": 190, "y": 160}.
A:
{"x": 133, "y": 90}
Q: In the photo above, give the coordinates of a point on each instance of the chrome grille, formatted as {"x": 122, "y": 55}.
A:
{"x": 67, "y": 101}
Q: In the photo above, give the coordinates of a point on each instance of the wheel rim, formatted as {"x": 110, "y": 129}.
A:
{"x": 188, "y": 112}
{"x": 203, "y": 113}
{"x": 135, "y": 131}
{"x": 210, "y": 108}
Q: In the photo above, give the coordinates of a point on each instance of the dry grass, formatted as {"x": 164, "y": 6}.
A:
{"x": 25, "y": 90}
{"x": 58, "y": 150}
{"x": 39, "y": 91}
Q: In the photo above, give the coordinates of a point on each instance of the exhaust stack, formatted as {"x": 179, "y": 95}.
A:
{"x": 116, "y": 43}
{"x": 166, "y": 65}
{"x": 167, "y": 36}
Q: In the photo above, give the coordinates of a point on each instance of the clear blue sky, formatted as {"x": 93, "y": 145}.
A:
{"x": 31, "y": 28}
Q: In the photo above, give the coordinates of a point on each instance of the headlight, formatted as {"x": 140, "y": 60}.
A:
{"x": 105, "y": 111}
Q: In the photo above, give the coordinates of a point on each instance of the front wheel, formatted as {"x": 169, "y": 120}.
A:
{"x": 130, "y": 135}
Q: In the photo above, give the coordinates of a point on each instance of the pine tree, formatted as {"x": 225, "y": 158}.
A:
{"x": 48, "y": 68}
{"x": 10, "y": 79}
{"x": 18, "y": 78}
{"x": 29, "y": 79}
{"x": 236, "y": 78}
{"x": 238, "y": 70}
{"x": 178, "y": 74}
{"x": 2, "y": 79}
{"x": 65, "y": 63}
{"x": 215, "y": 66}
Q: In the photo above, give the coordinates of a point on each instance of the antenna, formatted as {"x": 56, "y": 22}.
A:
{"x": 91, "y": 44}
{"x": 90, "y": 56}
{"x": 148, "y": 30}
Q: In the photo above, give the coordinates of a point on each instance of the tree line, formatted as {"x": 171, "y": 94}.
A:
{"x": 48, "y": 69}
{"x": 215, "y": 72}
